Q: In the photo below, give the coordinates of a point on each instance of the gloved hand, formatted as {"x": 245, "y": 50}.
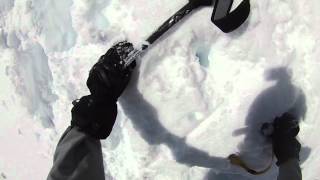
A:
{"x": 285, "y": 144}
{"x": 96, "y": 114}
{"x": 108, "y": 78}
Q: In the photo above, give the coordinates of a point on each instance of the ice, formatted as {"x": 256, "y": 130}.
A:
{"x": 196, "y": 96}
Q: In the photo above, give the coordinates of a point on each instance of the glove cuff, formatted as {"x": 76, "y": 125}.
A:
{"x": 93, "y": 116}
{"x": 287, "y": 149}
{"x": 283, "y": 160}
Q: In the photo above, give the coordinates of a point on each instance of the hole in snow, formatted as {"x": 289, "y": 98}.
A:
{"x": 3, "y": 176}
{"x": 202, "y": 53}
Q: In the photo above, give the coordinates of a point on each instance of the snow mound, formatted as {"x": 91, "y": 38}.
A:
{"x": 196, "y": 96}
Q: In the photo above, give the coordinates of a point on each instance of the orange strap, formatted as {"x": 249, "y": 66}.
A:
{"x": 236, "y": 160}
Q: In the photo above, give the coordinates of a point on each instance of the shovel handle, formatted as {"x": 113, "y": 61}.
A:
{"x": 185, "y": 10}
{"x": 170, "y": 22}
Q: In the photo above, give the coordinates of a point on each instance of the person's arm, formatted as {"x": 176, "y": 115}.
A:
{"x": 78, "y": 155}
{"x": 286, "y": 147}
{"x": 290, "y": 170}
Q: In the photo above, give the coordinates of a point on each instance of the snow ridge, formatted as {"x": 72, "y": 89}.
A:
{"x": 197, "y": 96}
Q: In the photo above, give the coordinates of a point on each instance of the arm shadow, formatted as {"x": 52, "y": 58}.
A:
{"x": 145, "y": 120}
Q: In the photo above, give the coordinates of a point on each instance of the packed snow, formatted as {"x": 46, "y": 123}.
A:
{"x": 197, "y": 96}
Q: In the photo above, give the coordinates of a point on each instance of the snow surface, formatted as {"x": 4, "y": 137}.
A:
{"x": 196, "y": 96}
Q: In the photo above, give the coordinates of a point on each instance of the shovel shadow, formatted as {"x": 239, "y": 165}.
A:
{"x": 282, "y": 97}
{"x": 145, "y": 120}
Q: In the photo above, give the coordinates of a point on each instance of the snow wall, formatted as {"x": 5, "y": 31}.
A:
{"x": 196, "y": 96}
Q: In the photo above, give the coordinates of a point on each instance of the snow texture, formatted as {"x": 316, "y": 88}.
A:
{"x": 196, "y": 96}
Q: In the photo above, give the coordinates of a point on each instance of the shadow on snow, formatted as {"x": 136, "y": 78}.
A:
{"x": 272, "y": 102}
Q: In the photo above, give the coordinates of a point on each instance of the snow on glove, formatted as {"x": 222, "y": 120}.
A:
{"x": 285, "y": 144}
{"x": 108, "y": 78}
{"x": 96, "y": 114}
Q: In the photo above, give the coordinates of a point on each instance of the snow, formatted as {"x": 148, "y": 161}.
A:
{"x": 197, "y": 96}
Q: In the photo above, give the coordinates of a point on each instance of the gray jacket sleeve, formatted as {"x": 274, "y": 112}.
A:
{"x": 77, "y": 157}
{"x": 290, "y": 170}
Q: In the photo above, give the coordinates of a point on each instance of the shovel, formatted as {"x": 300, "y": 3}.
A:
{"x": 222, "y": 16}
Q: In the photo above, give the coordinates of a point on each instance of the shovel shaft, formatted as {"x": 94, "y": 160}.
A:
{"x": 170, "y": 22}
{"x": 159, "y": 32}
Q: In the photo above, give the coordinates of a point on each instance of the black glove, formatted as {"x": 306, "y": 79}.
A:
{"x": 95, "y": 117}
{"x": 96, "y": 114}
{"x": 285, "y": 144}
{"x": 108, "y": 78}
